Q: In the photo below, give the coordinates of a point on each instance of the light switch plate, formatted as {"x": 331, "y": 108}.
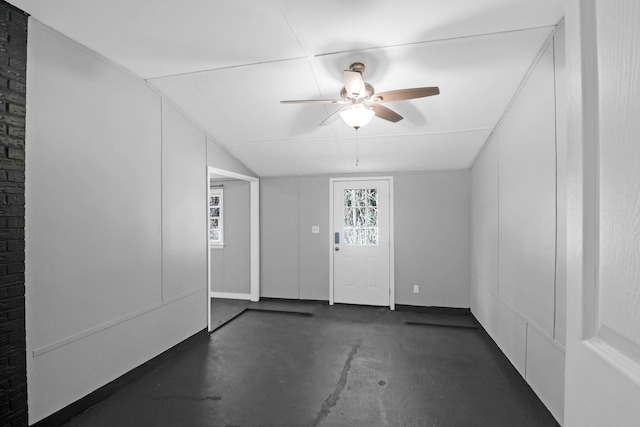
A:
{"x": 315, "y": 229}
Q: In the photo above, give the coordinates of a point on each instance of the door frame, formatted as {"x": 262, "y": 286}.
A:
{"x": 254, "y": 221}
{"x": 392, "y": 303}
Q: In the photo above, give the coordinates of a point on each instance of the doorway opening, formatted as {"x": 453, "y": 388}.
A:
{"x": 216, "y": 202}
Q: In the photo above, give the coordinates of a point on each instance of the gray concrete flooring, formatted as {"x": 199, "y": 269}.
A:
{"x": 342, "y": 366}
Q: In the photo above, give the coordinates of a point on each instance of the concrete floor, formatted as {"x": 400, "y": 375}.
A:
{"x": 341, "y": 366}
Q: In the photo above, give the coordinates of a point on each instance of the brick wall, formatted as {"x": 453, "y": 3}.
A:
{"x": 13, "y": 63}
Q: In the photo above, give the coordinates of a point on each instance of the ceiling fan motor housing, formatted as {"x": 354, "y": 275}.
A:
{"x": 369, "y": 90}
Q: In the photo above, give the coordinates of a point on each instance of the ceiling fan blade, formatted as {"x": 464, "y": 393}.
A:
{"x": 315, "y": 101}
{"x": 354, "y": 85}
{"x": 401, "y": 94}
{"x": 386, "y": 113}
{"x": 332, "y": 118}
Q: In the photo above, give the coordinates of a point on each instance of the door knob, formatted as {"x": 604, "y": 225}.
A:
{"x": 337, "y": 249}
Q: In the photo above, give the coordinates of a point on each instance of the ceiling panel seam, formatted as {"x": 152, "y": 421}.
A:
{"x": 417, "y": 43}
{"x": 229, "y": 67}
{"x": 371, "y": 136}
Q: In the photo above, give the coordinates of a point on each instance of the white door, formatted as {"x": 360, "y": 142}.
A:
{"x": 603, "y": 333}
{"x": 361, "y": 242}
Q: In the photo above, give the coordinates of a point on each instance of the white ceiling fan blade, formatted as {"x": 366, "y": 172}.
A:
{"x": 332, "y": 118}
{"x": 354, "y": 85}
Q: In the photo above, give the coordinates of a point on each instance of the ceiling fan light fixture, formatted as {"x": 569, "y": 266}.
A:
{"x": 357, "y": 116}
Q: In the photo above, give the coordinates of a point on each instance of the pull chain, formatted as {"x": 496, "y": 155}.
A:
{"x": 357, "y": 154}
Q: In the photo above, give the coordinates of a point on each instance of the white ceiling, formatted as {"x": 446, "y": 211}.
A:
{"x": 227, "y": 64}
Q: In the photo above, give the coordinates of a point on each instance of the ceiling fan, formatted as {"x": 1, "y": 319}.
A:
{"x": 362, "y": 101}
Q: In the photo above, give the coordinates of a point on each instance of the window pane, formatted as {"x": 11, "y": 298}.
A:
{"x": 361, "y": 236}
{"x": 348, "y": 198}
{"x": 361, "y": 197}
{"x": 348, "y": 216}
{"x": 349, "y": 236}
{"x": 360, "y": 216}
{"x": 372, "y": 197}
{"x": 372, "y": 217}
{"x": 372, "y": 236}
{"x": 216, "y": 223}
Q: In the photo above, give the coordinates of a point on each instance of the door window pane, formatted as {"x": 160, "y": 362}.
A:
{"x": 372, "y": 217}
{"x": 349, "y": 236}
{"x": 372, "y": 236}
{"x": 348, "y": 198}
{"x": 372, "y": 197}
{"x": 360, "y": 217}
{"x": 348, "y": 217}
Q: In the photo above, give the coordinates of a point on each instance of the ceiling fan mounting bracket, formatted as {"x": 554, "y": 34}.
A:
{"x": 358, "y": 67}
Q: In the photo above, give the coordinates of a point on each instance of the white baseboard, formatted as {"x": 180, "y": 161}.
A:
{"x": 229, "y": 295}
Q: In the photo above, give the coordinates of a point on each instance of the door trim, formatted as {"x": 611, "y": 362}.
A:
{"x": 254, "y": 220}
{"x": 392, "y": 303}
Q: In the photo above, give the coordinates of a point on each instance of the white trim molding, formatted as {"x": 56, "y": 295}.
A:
{"x": 254, "y": 189}
{"x": 230, "y": 295}
{"x": 97, "y": 329}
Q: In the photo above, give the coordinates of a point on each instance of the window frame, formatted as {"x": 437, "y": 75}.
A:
{"x": 216, "y": 192}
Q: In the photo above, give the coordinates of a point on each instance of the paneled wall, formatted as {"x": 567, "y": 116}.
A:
{"x": 280, "y": 266}
{"x": 519, "y": 231}
{"x": 116, "y": 229}
{"x": 184, "y": 198}
{"x": 432, "y": 236}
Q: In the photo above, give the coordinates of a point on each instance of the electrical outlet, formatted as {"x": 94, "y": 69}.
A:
{"x": 315, "y": 229}
{"x": 416, "y": 289}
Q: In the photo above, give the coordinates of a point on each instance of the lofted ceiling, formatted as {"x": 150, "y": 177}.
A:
{"x": 227, "y": 64}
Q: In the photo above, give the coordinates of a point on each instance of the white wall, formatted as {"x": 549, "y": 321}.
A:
{"x": 230, "y": 265}
{"x": 184, "y": 199}
{"x": 279, "y": 237}
{"x": 432, "y": 235}
{"x": 519, "y": 231}
{"x": 115, "y": 222}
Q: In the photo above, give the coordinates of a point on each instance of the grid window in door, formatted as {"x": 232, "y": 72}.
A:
{"x": 361, "y": 217}
{"x": 216, "y": 232}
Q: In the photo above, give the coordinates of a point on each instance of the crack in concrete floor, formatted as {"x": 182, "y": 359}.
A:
{"x": 342, "y": 382}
